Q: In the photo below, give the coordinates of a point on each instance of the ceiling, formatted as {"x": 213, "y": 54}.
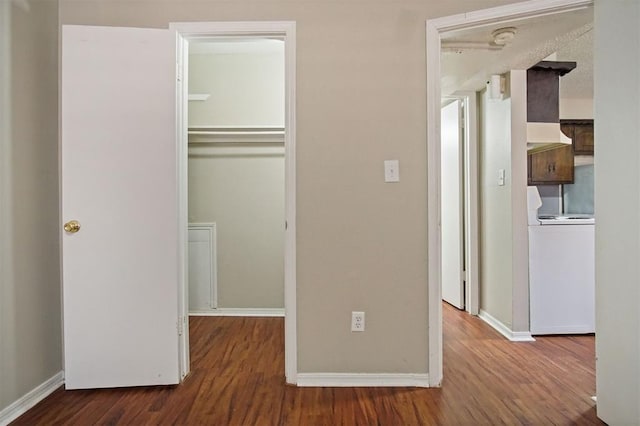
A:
{"x": 469, "y": 57}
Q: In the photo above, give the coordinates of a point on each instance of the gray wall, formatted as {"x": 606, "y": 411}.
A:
{"x": 30, "y": 323}
{"x": 578, "y": 196}
{"x": 617, "y": 198}
{"x": 361, "y": 243}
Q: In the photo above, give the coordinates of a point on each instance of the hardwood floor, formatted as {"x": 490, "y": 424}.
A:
{"x": 237, "y": 379}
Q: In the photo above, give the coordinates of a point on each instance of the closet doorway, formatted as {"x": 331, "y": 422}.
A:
{"x": 236, "y": 123}
{"x": 236, "y": 176}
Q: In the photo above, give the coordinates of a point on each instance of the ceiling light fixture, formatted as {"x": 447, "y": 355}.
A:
{"x": 504, "y": 36}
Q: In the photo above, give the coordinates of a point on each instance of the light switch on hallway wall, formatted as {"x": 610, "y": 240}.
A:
{"x": 392, "y": 171}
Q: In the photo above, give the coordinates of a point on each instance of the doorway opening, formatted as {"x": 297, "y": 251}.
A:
{"x": 436, "y": 29}
{"x": 261, "y": 155}
{"x": 236, "y": 176}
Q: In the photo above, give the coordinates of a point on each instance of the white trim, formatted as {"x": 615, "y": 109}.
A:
{"x": 511, "y": 12}
{"x": 472, "y": 214}
{"x": 500, "y": 327}
{"x": 239, "y": 312}
{"x": 433, "y": 201}
{"x": 434, "y": 29}
{"x": 290, "y": 250}
{"x": 182, "y": 154}
{"x": 29, "y": 400}
{"x": 470, "y": 194}
{"x": 284, "y": 30}
{"x": 363, "y": 380}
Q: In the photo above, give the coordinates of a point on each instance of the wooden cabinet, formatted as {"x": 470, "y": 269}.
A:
{"x": 581, "y": 133}
{"x": 550, "y": 166}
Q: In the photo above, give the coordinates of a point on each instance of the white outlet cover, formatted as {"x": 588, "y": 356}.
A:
{"x": 357, "y": 321}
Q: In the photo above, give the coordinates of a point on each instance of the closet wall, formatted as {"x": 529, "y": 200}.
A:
{"x": 236, "y": 166}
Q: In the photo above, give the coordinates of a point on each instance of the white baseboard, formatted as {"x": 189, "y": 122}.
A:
{"x": 34, "y": 396}
{"x": 362, "y": 380}
{"x": 239, "y": 312}
{"x": 514, "y": 336}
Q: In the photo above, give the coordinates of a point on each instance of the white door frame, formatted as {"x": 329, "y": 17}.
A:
{"x": 285, "y": 30}
{"x": 470, "y": 196}
{"x": 435, "y": 29}
{"x": 457, "y": 298}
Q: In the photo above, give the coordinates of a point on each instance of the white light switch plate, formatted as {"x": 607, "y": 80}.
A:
{"x": 391, "y": 171}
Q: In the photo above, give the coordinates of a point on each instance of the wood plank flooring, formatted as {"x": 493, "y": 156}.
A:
{"x": 238, "y": 379}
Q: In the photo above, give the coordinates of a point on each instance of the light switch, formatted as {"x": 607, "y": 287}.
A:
{"x": 391, "y": 171}
{"x": 500, "y": 177}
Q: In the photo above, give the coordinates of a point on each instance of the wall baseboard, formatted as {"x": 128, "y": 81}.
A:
{"x": 514, "y": 336}
{"x": 239, "y": 312}
{"x": 362, "y": 380}
{"x": 20, "y": 406}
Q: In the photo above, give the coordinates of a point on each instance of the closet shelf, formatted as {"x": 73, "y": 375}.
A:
{"x": 217, "y": 134}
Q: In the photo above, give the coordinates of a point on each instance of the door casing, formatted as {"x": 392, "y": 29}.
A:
{"x": 284, "y": 30}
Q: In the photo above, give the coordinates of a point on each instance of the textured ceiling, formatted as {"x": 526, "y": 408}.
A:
{"x": 579, "y": 82}
{"x": 569, "y": 35}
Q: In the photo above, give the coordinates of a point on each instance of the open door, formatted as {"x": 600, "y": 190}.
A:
{"x": 452, "y": 196}
{"x": 119, "y": 182}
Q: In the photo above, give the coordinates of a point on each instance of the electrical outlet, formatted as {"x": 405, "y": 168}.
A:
{"x": 357, "y": 321}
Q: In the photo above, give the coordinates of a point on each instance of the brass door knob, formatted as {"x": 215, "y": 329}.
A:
{"x": 72, "y": 226}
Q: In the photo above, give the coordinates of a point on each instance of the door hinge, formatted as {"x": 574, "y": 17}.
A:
{"x": 180, "y": 325}
{"x": 178, "y": 72}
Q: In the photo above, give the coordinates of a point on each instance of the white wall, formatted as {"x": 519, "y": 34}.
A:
{"x": 496, "y": 289}
{"x": 246, "y": 86}
{"x": 30, "y": 321}
{"x": 241, "y": 189}
{"x": 240, "y": 186}
{"x": 617, "y": 203}
{"x": 504, "y": 252}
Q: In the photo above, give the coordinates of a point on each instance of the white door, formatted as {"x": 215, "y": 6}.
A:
{"x": 119, "y": 181}
{"x": 452, "y": 205}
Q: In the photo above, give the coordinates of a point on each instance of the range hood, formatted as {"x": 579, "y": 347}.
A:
{"x": 543, "y": 110}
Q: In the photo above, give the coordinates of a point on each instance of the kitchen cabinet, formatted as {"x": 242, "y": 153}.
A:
{"x": 551, "y": 166}
{"x": 581, "y": 133}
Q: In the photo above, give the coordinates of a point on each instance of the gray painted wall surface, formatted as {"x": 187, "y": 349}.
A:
{"x": 361, "y": 243}
{"x": 30, "y": 323}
